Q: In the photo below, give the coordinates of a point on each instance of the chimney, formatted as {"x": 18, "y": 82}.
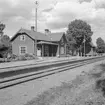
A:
{"x": 32, "y": 28}
{"x": 47, "y": 31}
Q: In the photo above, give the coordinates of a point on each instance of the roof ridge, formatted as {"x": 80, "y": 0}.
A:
{"x": 39, "y": 35}
{"x": 56, "y": 32}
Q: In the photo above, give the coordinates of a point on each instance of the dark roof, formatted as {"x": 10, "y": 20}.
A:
{"x": 56, "y": 36}
{"x": 39, "y": 35}
{"x": 32, "y": 34}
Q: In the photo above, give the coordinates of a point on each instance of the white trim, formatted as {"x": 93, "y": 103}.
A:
{"x": 21, "y": 37}
{"x": 20, "y": 50}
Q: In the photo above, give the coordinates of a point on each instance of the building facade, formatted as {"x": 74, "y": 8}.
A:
{"x": 40, "y": 44}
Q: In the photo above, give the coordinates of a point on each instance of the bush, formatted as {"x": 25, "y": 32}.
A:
{"x": 29, "y": 56}
{"x": 22, "y": 58}
{"x": 14, "y": 57}
{"x": 2, "y": 60}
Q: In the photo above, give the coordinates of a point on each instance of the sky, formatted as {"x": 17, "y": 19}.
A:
{"x": 54, "y": 15}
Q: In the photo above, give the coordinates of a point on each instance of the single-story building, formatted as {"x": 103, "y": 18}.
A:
{"x": 40, "y": 44}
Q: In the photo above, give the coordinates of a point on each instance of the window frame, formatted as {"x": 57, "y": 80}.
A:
{"x": 20, "y": 51}
{"x": 21, "y": 37}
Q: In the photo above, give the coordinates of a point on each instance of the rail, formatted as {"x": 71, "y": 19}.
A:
{"x": 44, "y": 70}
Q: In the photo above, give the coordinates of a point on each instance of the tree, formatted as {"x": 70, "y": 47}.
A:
{"x": 5, "y": 45}
{"x": 100, "y": 45}
{"x": 77, "y": 31}
{"x": 2, "y": 27}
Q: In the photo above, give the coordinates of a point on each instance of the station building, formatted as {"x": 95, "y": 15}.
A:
{"x": 41, "y": 44}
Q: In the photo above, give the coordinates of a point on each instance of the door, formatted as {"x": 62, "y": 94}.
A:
{"x": 39, "y": 52}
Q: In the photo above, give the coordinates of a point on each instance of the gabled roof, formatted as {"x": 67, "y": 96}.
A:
{"x": 56, "y": 36}
{"x": 39, "y": 36}
{"x": 32, "y": 34}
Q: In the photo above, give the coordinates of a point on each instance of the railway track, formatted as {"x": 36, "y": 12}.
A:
{"x": 44, "y": 70}
{"x": 38, "y": 63}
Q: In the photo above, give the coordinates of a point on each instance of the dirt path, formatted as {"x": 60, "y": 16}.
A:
{"x": 83, "y": 90}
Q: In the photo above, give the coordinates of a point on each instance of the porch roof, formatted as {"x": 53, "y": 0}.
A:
{"x": 44, "y": 42}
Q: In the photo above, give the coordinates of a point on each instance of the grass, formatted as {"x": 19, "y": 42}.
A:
{"x": 81, "y": 91}
{"x": 49, "y": 96}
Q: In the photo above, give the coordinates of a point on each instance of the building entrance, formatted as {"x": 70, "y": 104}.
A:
{"x": 47, "y": 50}
{"x": 53, "y": 50}
{"x": 50, "y": 50}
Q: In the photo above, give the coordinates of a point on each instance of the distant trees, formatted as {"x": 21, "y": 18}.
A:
{"x": 78, "y": 30}
{"x": 100, "y": 45}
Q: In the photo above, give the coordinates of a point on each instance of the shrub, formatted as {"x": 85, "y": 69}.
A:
{"x": 2, "y": 60}
{"x": 22, "y": 58}
{"x": 12, "y": 57}
{"x": 29, "y": 56}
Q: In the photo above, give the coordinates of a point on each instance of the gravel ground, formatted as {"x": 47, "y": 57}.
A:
{"x": 74, "y": 87}
{"x": 80, "y": 91}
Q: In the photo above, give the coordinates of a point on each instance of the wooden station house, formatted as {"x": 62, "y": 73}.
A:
{"x": 41, "y": 44}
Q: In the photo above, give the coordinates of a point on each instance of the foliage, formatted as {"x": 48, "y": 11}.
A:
{"x": 77, "y": 31}
{"x": 29, "y": 56}
{"x": 14, "y": 57}
{"x": 100, "y": 45}
{"x": 5, "y": 45}
{"x": 2, "y": 60}
{"x": 22, "y": 58}
{"x": 100, "y": 42}
{"x": 87, "y": 48}
{"x": 4, "y": 42}
{"x": 26, "y": 57}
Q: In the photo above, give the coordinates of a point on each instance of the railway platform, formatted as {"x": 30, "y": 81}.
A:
{"x": 40, "y": 60}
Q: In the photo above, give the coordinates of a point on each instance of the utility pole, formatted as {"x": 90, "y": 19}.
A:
{"x": 36, "y": 4}
{"x": 84, "y": 45}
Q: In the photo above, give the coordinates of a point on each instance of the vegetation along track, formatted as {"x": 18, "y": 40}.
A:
{"x": 45, "y": 70}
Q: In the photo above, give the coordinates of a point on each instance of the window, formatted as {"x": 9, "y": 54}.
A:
{"x": 22, "y": 37}
{"x": 23, "y": 50}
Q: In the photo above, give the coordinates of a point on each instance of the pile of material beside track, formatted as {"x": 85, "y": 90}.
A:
{"x": 31, "y": 72}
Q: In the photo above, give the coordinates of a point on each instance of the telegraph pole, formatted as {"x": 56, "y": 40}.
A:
{"x": 36, "y": 4}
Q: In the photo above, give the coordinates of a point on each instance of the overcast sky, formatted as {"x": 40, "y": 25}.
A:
{"x": 53, "y": 14}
